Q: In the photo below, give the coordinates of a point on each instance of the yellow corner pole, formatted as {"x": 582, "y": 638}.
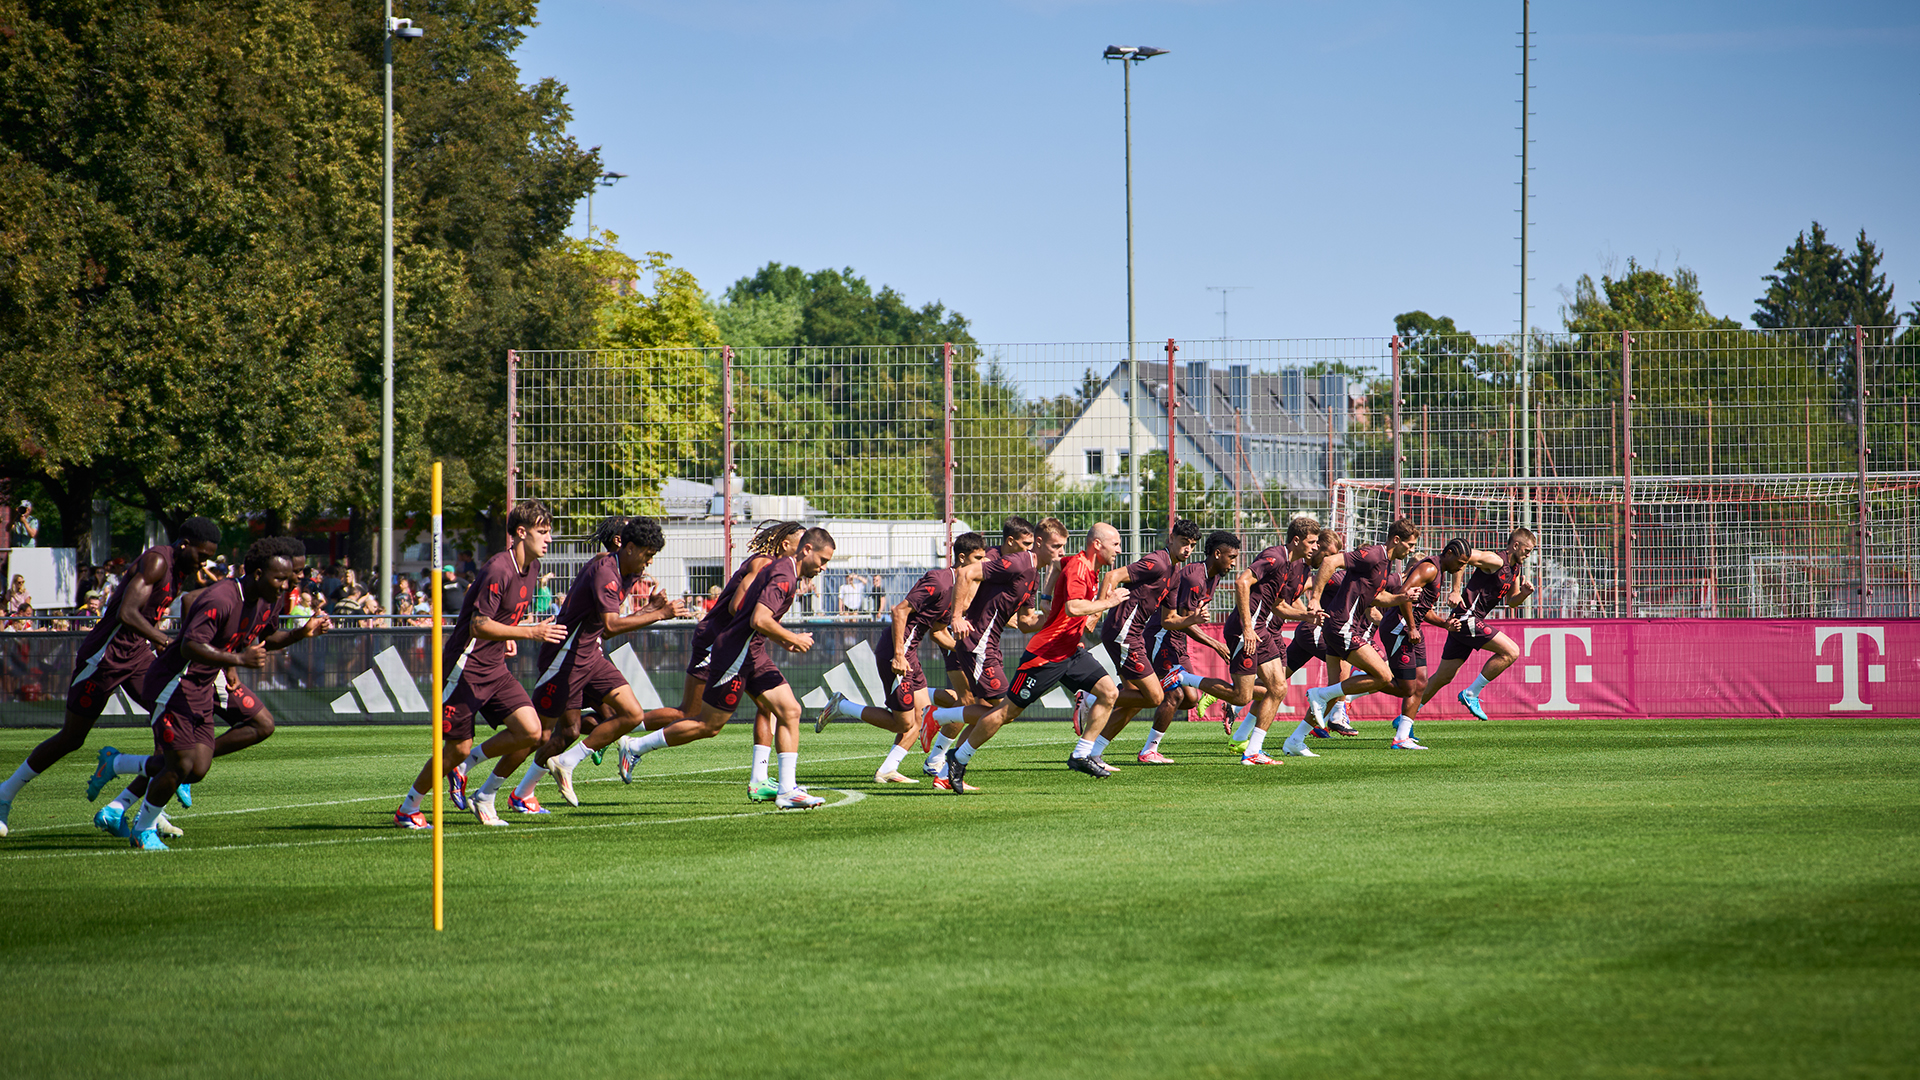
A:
{"x": 434, "y": 709}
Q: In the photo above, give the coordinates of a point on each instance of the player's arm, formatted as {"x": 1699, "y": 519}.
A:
{"x": 1489, "y": 561}
{"x": 943, "y": 639}
{"x": 280, "y": 639}
{"x": 1459, "y": 583}
{"x": 739, "y": 597}
{"x": 1107, "y": 595}
{"x": 902, "y": 612}
{"x": 1243, "y": 598}
{"x": 1327, "y": 566}
{"x": 966, "y": 585}
{"x": 1522, "y": 588}
{"x": 655, "y": 609}
{"x": 767, "y": 626}
{"x": 148, "y": 574}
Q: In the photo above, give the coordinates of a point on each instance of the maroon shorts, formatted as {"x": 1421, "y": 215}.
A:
{"x": 242, "y": 705}
{"x": 584, "y": 681}
{"x": 1169, "y": 651}
{"x": 757, "y": 674}
{"x": 177, "y": 731}
{"x": 1461, "y": 643}
{"x": 1340, "y": 641}
{"x": 494, "y": 697}
{"x": 1304, "y": 647}
{"x": 900, "y": 688}
{"x": 984, "y": 673}
{"x": 1241, "y": 661}
{"x": 87, "y": 697}
{"x": 1406, "y": 653}
{"x": 1130, "y": 659}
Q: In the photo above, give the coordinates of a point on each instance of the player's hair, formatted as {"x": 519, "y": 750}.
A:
{"x": 817, "y": 537}
{"x": 197, "y": 530}
{"x": 1221, "y": 539}
{"x": 290, "y": 548}
{"x": 530, "y": 514}
{"x": 608, "y": 533}
{"x": 1521, "y": 532}
{"x": 1055, "y": 526}
{"x": 1186, "y": 530}
{"x": 642, "y": 532}
{"x": 1457, "y": 548}
{"x": 1015, "y": 526}
{"x": 772, "y": 536}
{"x": 1333, "y": 539}
{"x": 263, "y": 551}
{"x": 1402, "y": 529}
{"x": 967, "y": 543}
{"x": 1301, "y": 525}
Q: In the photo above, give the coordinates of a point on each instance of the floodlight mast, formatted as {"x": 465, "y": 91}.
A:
{"x": 1131, "y": 55}
{"x": 404, "y": 30}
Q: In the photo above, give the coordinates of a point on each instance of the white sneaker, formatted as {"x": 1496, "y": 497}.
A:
{"x": 563, "y": 779}
{"x": 628, "y": 758}
{"x": 1316, "y": 709}
{"x": 5, "y": 809}
{"x": 482, "y": 807}
{"x": 828, "y": 711}
{"x": 893, "y": 777}
{"x": 165, "y": 826}
{"x": 1408, "y": 743}
{"x": 935, "y": 767}
{"x": 798, "y": 799}
{"x": 1296, "y": 749}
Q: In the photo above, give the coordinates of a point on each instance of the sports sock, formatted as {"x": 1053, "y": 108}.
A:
{"x": 1357, "y": 697}
{"x": 963, "y": 753}
{"x": 1326, "y": 695}
{"x": 894, "y": 757}
{"x": 848, "y": 709}
{"x": 492, "y": 785}
{"x": 1256, "y": 742}
{"x": 953, "y": 714}
{"x": 1402, "y": 727}
{"x": 531, "y": 780}
{"x": 760, "y": 753}
{"x": 939, "y": 748}
{"x": 572, "y": 758}
{"x": 1300, "y": 732}
{"x": 1247, "y": 721}
{"x": 474, "y": 759}
{"x": 1479, "y": 684}
{"x": 124, "y": 801}
{"x": 411, "y": 804}
{"x": 1083, "y": 748}
{"x": 1188, "y": 678}
{"x": 149, "y": 814}
{"x": 17, "y": 781}
{"x": 1100, "y": 745}
{"x": 648, "y": 743}
{"x": 129, "y": 764}
{"x": 789, "y": 764}
{"x": 1153, "y": 741}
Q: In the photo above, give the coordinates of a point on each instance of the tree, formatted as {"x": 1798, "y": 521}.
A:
{"x": 1641, "y": 299}
{"x": 1816, "y": 285}
{"x": 832, "y": 308}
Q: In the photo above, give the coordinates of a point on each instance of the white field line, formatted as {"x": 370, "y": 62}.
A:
{"x": 185, "y": 816}
{"x": 417, "y": 836}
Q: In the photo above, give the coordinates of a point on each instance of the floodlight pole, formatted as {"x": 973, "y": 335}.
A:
{"x": 402, "y": 28}
{"x": 1526, "y": 336}
{"x": 1129, "y": 55}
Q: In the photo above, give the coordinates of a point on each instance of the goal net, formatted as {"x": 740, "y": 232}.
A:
{"x": 1754, "y": 546}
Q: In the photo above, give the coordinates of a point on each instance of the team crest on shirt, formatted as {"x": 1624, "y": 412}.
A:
{"x": 523, "y": 592}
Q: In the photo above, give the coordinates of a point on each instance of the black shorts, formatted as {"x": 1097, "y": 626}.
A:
{"x": 1406, "y": 653}
{"x": 1080, "y": 672}
{"x": 494, "y": 698}
{"x": 88, "y": 697}
{"x": 984, "y": 673}
{"x": 1305, "y": 646}
{"x": 178, "y": 730}
{"x": 1461, "y": 643}
{"x": 1130, "y": 658}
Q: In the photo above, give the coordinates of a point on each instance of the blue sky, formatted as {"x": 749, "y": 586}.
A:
{"x": 1345, "y": 162}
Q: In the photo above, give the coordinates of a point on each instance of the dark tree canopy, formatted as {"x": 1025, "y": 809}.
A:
{"x": 831, "y": 308}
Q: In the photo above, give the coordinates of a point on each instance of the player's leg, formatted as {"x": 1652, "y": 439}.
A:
{"x": 187, "y": 745}
{"x": 1505, "y": 652}
{"x": 1274, "y": 672}
{"x": 779, "y": 702}
{"x": 1413, "y": 690}
{"x": 85, "y": 700}
{"x": 1372, "y": 676}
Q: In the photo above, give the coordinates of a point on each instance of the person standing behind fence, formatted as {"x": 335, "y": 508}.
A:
{"x": 25, "y": 530}
{"x": 853, "y": 595}
{"x": 19, "y": 605}
{"x": 120, "y": 649}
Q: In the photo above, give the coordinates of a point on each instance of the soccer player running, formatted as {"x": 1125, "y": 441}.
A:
{"x": 1496, "y": 578}
{"x": 231, "y": 623}
{"x": 737, "y": 667}
{"x": 988, "y": 596}
{"x": 1401, "y": 632}
{"x": 1348, "y": 608}
{"x": 1128, "y": 628}
{"x": 927, "y": 609}
{"x": 1054, "y": 656}
{"x": 575, "y": 671}
{"x": 120, "y": 647}
{"x": 474, "y": 666}
{"x": 1266, "y": 594}
{"x": 691, "y": 723}
{"x": 1187, "y": 601}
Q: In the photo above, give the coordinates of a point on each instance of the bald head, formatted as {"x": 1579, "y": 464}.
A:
{"x": 1103, "y": 543}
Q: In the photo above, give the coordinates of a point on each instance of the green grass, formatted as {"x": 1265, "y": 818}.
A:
{"x": 1574, "y": 898}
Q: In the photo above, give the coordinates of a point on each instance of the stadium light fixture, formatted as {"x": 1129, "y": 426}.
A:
{"x": 1131, "y": 55}
{"x": 401, "y": 30}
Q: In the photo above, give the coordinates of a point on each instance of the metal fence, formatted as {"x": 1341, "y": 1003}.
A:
{"x": 895, "y": 447}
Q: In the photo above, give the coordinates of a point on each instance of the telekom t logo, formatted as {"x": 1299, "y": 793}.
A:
{"x": 1557, "y": 663}
{"x": 1849, "y": 663}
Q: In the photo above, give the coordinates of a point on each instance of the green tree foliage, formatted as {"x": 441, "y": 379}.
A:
{"x": 784, "y": 305}
{"x": 1815, "y": 284}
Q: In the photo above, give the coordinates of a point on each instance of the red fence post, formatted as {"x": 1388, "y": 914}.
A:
{"x": 726, "y": 455}
{"x": 946, "y": 444}
{"x": 1861, "y": 451}
{"x": 1173, "y": 459}
{"x": 513, "y": 417}
{"x": 1626, "y": 466}
{"x": 1398, "y": 457}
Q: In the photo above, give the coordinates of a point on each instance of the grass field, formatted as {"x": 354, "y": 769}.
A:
{"x": 1529, "y": 899}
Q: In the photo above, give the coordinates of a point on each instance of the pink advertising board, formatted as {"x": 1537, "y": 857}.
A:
{"x": 1672, "y": 668}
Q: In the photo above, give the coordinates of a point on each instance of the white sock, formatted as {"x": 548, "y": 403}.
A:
{"x": 1479, "y": 684}
{"x": 939, "y": 748}
{"x": 760, "y": 756}
{"x": 149, "y": 814}
{"x": 1100, "y": 745}
{"x": 849, "y": 709}
{"x": 1188, "y": 678}
{"x": 1402, "y": 728}
{"x": 1256, "y": 742}
{"x": 125, "y": 800}
{"x": 474, "y": 760}
{"x": 894, "y": 757}
{"x": 1357, "y": 697}
{"x": 963, "y": 753}
{"x": 1327, "y": 694}
{"x": 494, "y": 780}
{"x": 648, "y": 743}
{"x": 17, "y": 781}
{"x": 953, "y": 714}
{"x": 411, "y": 804}
{"x": 1300, "y": 733}
{"x": 1153, "y": 741}
{"x": 571, "y": 759}
{"x": 789, "y": 764}
{"x": 129, "y": 764}
{"x": 1247, "y": 721}
{"x": 1083, "y": 748}
{"x": 531, "y": 780}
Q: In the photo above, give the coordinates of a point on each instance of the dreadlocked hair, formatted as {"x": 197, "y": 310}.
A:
{"x": 607, "y": 535}
{"x": 773, "y": 536}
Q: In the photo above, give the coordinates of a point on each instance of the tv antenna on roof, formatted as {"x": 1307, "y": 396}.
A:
{"x": 1223, "y": 290}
